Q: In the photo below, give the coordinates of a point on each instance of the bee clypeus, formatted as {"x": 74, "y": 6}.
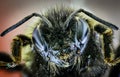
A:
{"x": 65, "y": 42}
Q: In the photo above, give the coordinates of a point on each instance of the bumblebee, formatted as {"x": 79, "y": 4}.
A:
{"x": 65, "y": 42}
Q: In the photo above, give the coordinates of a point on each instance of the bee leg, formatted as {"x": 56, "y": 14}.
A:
{"x": 114, "y": 62}
{"x": 109, "y": 53}
{"x": 18, "y": 42}
{"x": 108, "y": 47}
{"x": 107, "y": 36}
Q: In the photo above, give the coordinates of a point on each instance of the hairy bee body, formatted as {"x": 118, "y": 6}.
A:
{"x": 64, "y": 42}
{"x": 90, "y": 64}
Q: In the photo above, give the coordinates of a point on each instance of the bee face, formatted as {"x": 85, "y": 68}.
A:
{"x": 63, "y": 42}
{"x": 65, "y": 38}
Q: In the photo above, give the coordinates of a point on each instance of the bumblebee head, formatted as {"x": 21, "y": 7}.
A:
{"x": 61, "y": 42}
{"x": 62, "y": 34}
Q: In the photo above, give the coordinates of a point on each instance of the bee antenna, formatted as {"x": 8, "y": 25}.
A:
{"x": 21, "y": 22}
{"x": 99, "y": 20}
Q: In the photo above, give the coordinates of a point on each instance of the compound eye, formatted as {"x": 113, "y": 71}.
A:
{"x": 38, "y": 40}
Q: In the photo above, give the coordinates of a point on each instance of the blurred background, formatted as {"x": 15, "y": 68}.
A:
{"x": 11, "y": 11}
